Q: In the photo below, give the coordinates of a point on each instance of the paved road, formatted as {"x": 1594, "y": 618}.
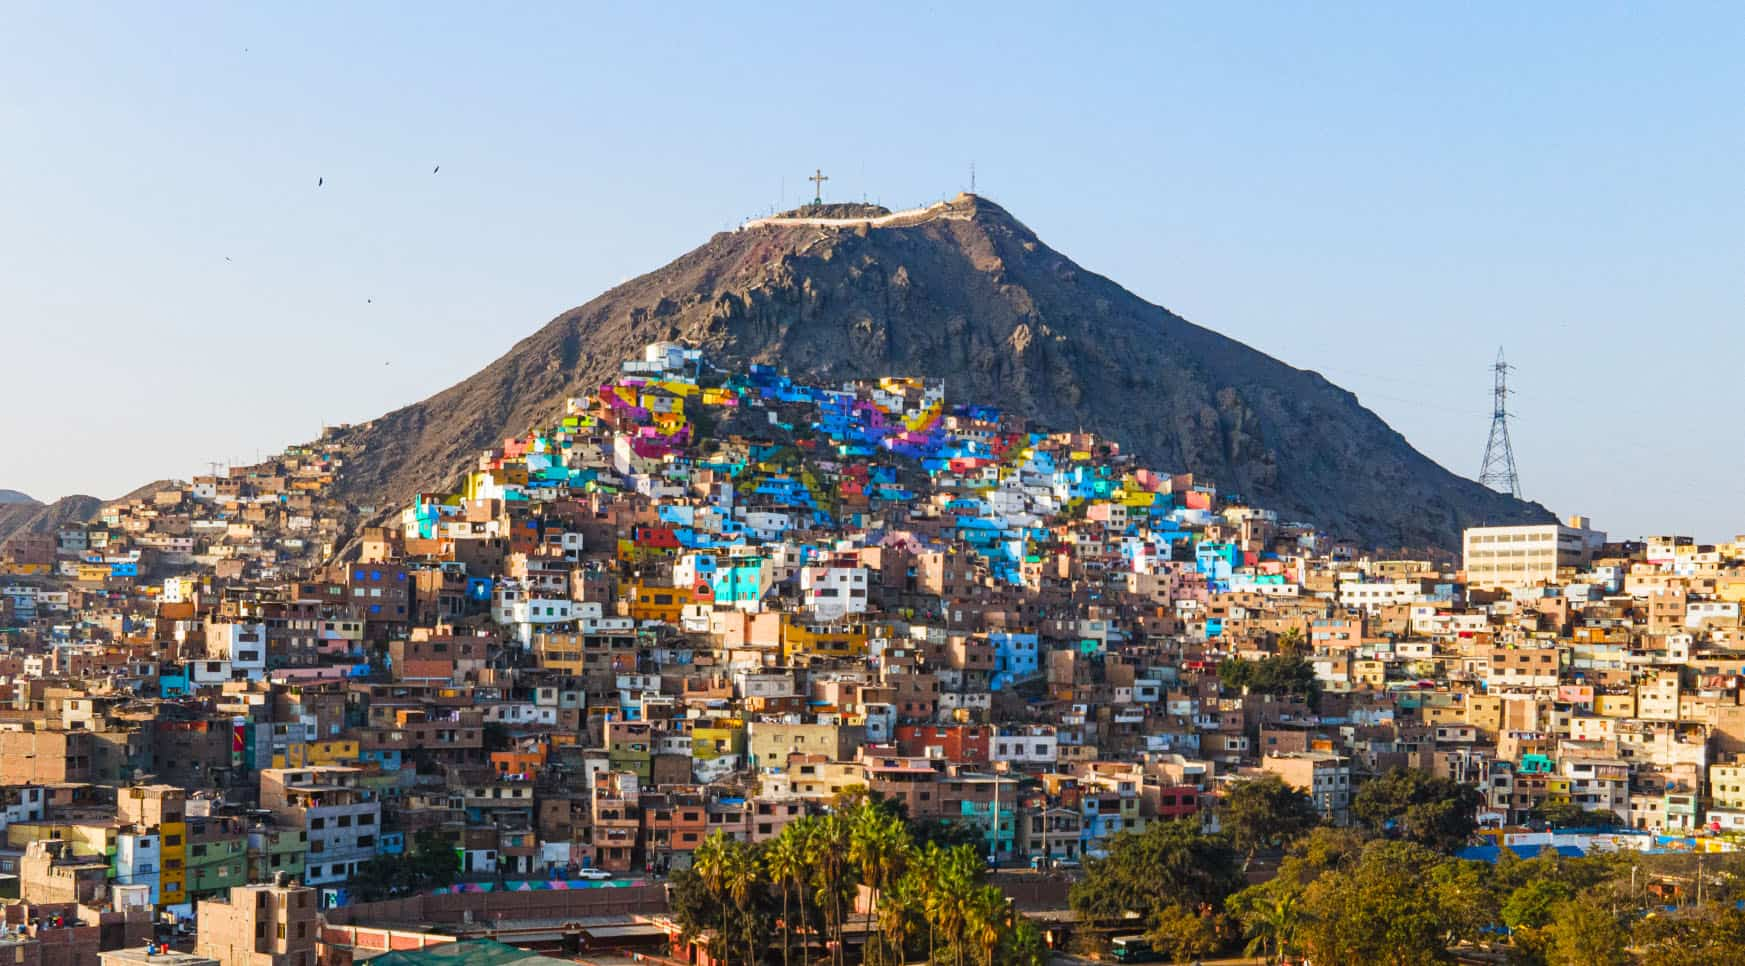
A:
{"x": 1063, "y": 959}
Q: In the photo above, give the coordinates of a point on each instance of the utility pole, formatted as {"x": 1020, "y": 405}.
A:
{"x": 1047, "y": 857}
{"x": 994, "y": 825}
{"x": 1498, "y": 471}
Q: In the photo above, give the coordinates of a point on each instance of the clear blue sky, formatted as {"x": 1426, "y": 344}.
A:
{"x": 1383, "y": 195}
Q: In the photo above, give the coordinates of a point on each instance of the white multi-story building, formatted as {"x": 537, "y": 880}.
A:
{"x": 832, "y": 593}
{"x": 1523, "y": 556}
{"x": 1027, "y": 745}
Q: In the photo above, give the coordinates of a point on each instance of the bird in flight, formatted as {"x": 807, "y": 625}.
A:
{"x": 370, "y": 301}
{"x": 227, "y": 258}
{"x": 320, "y": 181}
{"x": 436, "y": 169}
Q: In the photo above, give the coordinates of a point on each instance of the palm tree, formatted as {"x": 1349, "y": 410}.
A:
{"x": 828, "y": 855}
{"x": 740, "y": 880}
{"x": 985, "y": 920}
{"x": 1272, "y": 925}
{"x": 803, "y": 831}
{"x": 710, "y": 862}
{"x": 947, "y": 906}
{"x": 925, "y": 872}
{"x": 1290, "y": 643}
{"x": 879, "y": 844}
{"x": 786, "y": 861}
{"x": 896, "y": 912}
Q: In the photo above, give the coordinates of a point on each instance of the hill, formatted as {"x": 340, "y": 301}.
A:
{"x": 36, "y": 517}
{"x": 965, "y": 292}
{"x": 8, "y": 497}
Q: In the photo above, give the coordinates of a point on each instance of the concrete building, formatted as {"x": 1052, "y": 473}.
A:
{"x": 1326, "y": 777}
{"x": 1526, "y": 556}
{"x": 260, "y": 925}
{"x": 342, "y": 818}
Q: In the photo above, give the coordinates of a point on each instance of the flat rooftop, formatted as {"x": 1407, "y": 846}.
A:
{"x": 166, "y": 958}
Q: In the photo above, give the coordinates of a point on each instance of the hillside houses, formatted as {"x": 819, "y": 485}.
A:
{"x": 703, "y": 602}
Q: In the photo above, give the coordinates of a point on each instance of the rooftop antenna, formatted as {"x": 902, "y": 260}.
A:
{"x": 1498, "y": 471}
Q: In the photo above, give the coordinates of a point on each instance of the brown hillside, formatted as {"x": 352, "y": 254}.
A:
{"x": 970, "y": 295}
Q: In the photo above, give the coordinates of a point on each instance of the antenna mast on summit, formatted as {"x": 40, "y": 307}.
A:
{"x": 1498, "y": 471}
{"x": 972, "y": 177}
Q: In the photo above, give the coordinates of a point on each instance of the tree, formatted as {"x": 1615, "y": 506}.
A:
{"x": 710, "y": 862}
{"x": 1278, "y": 674}
{"x": 1265, "y": 813}
{"x": 786, "y": 861}
{"x": 1291, "y": 643}
{"x": 742, "y": 881}
{"x": 1170, "y": 863}
{"x": 1180, "y": 932}
{"x": 1564, "y": 815}
{"x": 944, "y": 880}
{"x": 1531, "y": 906}
{"x": 880, "y": 845}
{"x": 1388, "y": 907}
{"x": 897, "y": 907}
{"x": 1270, "y": 921}
{"x": 1707, "y": 936}
{"x": 947, "y": 835}
{"x": 1434, "y": 812}
{"x": 429, "y": 864}
{"x": 828, "y": 856}
{"x": 1581, "y": 932}
{"x": 693, "y": 907}
{"x": 1235, "y": 674}
{"x": 985, "y": 921}
{"x": 1023, "y": 945}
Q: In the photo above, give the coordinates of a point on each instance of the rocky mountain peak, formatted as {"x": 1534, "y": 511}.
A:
{"x": 963, "y": 291}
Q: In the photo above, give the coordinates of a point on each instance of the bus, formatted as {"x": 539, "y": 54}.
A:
{"x": 1134, "y": 949}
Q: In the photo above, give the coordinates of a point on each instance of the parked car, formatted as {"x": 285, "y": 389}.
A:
{"x": 593, "y": 875}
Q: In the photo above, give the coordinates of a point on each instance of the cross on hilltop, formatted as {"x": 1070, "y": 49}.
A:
{"x": 818, "y": 178}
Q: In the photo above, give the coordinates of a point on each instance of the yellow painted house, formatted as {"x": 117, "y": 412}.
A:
{"x": 173, "y": 854}
{"x": 828, "y": 640}
{"x": 722, "y": 736}
{"x": 653, "y": 602}
{"x": 87, "y": 838}
{"x": 333, "y": 751}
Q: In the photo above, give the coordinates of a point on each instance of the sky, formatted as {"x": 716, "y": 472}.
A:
{"x": 1384, "y": 194}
